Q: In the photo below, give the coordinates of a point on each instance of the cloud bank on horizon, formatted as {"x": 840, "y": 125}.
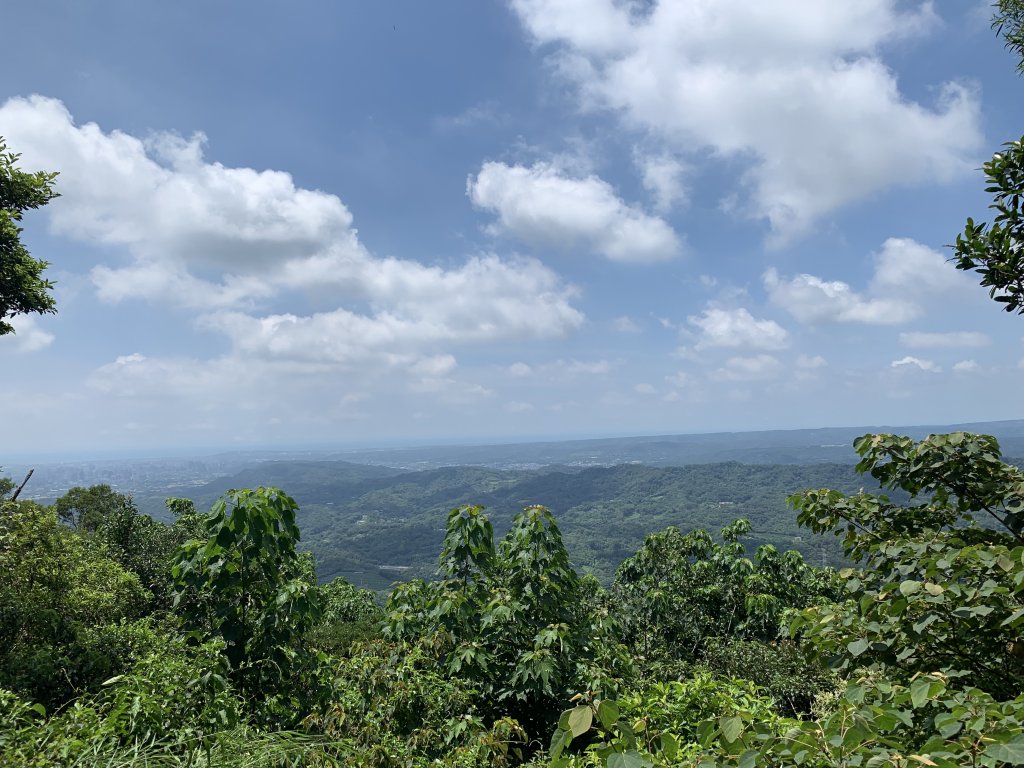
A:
{"x": 698, "y": 215}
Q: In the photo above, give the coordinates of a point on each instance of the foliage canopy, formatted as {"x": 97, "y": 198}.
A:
{"x": 23, "y": 288}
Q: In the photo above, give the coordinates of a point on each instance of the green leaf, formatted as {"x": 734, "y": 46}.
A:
{"x": 630, "y": 759}
{"x": 910, "y": 587}
{"x": 669, "y": 746}
{"x": 580, "y": 719}
{"x": 1011, "y": 751}
{"x": 731, "y": 727}
{"x": 919, "y": 690}
{"x": 854, "y": 693}
{"x": 857, "y": 647}
{"x": 1012, "y": 617}
{"x": 608, "y": 713}
{"x": 947, "y": 724}
{"x": 559, "y": 740}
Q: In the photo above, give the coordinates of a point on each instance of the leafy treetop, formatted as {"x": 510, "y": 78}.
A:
{"x": 22, "y": 286}
{"x": 1008, "y": 21}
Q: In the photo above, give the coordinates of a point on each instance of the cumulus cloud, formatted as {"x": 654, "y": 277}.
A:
{"x": 226, "y": 241}
{"x": 797, "y": 92}
{"x": 906, "y": 275}
{"x": 906, "y": 266}
{"x": 517, "y": 406}
{"x": 737, "y": 328}
{"x": 965, "y": 366}
{"x": 915, "y": 362}
{"x": 561, "y": 370}
{"x": 680, "y": 379}
{"x": 581, "y": 367}
{"x": 164, "y": 201}
{"x": 625, "y": 324}
{"x": 813, "y": 300}
{"x": 544, "y": 207}
{"x": 809, "y": 363}
{"x": 27, "y": 336}
{"x": 662, "y": 176}
{"x": 922, "y": 340}
{"x": 751, "y": 368}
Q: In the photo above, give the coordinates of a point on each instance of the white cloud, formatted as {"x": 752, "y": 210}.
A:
{"x": 581, "y": 367}
{"x": 922, "y": 340}
{"x": 813, "y": 300}
{"x": 541, "y": 206}
{"x": 516, "y": 406}
{"x": 965, "y": 366}
{"x": 519, "y": 370}
{"x": 906, "y": 276}
{"x": 484, "y": 113}
{"x": 162, "y": 200}
{"x": 644, "y": 388}
{"x": 680, "y": 379}
{"x": 748, "y": 368}
{"x": 662, "y": 176}
{"x": 136, "y": 375}
{"x": 27, "y": 336}
{"x": 737, "y": 328}
{"x": 624, "y": 324}
{"x": 916, "y": 362}
{"x": 905, "y": 266}
{"x": 439, "y": 365}
{"x": 796, "y": 91}
{"x": 243, "y": 383}
{"x": 809, "y": 363}
{"x": 560, "y": 370}
{"x": 222, "y": 241}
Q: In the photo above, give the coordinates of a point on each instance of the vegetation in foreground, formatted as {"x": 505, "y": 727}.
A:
{"x": 208, "y": 641}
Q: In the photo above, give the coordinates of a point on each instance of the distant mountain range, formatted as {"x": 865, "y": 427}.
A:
{"x": 375, "y": 525}
{"x": 791, "y": 446}
{"x": 376, "y": 516}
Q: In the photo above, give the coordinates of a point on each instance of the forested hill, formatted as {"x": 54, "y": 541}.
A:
{"x": 374, "y": 525}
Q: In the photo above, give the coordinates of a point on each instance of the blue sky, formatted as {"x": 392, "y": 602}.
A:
{"x": 350, "y": 222}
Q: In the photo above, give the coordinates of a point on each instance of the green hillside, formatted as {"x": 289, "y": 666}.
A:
{"x": 375, "y": 525}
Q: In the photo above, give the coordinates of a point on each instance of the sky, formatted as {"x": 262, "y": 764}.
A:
{"x": 336, "y": 223}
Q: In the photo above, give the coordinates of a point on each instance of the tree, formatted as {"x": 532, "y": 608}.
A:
{"x": 259, "y": 598}
{"x": 1009, "y": 22}
{"x": 87, "y": 509}
{"x": 931, "y": 629}
{"x": 58, "y": 587}
{"x": 942, "y": 583}
{"x": 996, "y": 251}
{"x": 929, "y": 634}
{"x": 514, "y": 622}
{"x": 6, "y": 486}
{"x": 349, "y": 615}
{"x": 23, "y": 288}
{"x": 680, "y": 591}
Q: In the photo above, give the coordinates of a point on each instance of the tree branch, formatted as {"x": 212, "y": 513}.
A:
{"x": 15, "y": 496}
